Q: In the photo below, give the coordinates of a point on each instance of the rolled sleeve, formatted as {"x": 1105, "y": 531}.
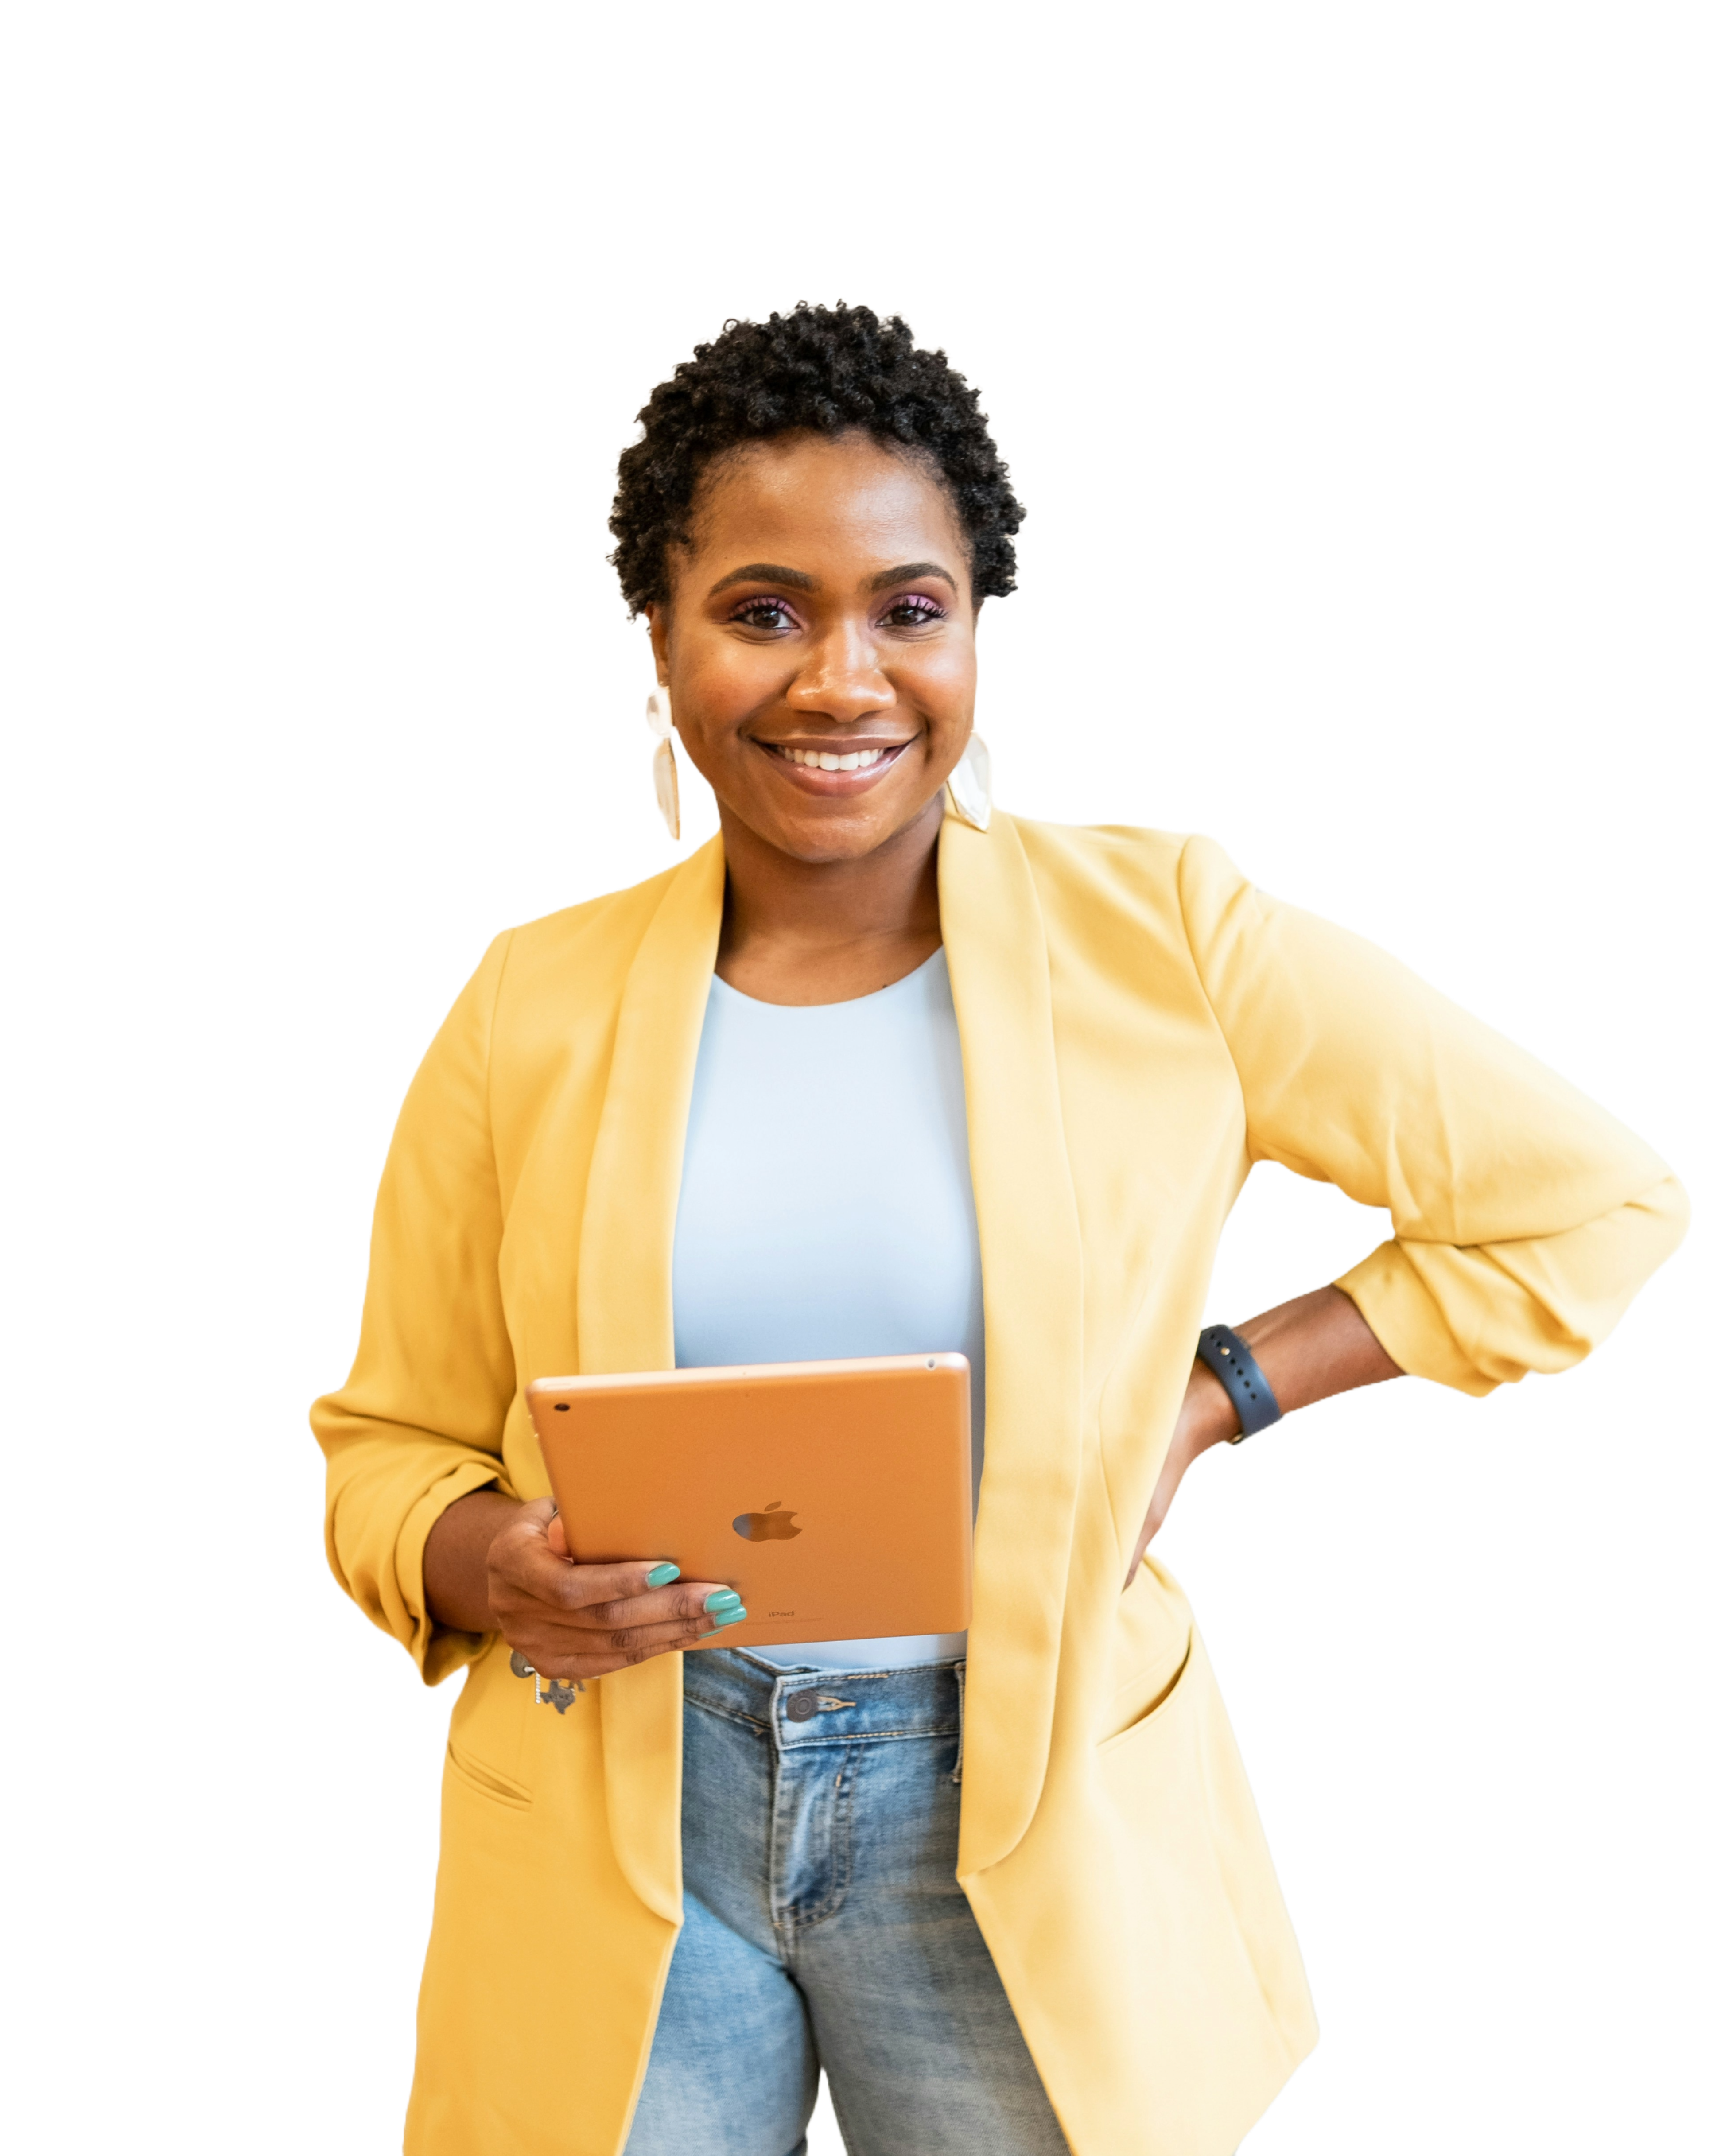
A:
{"x": 1525, "y": 1218}
{"x": 419, "y": 1422}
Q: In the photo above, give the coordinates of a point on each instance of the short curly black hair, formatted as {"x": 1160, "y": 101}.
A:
{"x": 828, "y": 369}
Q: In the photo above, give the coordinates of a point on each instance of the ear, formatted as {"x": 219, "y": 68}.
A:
{"x": 659, "y": 631}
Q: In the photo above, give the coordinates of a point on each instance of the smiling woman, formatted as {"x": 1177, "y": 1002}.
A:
{"x": 810, "y": 522}
{"x": 818, "y": 646}
{"x": 879, "y": 1072}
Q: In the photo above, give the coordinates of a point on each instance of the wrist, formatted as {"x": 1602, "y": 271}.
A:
{"x": 456, "y": 1562}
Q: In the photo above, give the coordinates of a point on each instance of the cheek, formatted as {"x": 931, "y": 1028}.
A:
{"x": 717, "y": 686}
{"x": 942, "y": 679}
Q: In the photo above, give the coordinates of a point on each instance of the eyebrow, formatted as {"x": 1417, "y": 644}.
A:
{"x": 774, "y": 573}
{"x": 765, "y": 572}
{"x": 909, "y": 573}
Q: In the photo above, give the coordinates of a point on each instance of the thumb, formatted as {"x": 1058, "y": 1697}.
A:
{"x": 556, "y": 1540}
{"x": 539, "y": 1515}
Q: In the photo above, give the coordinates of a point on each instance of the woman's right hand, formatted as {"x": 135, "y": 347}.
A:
{"x": 507, "y": 1566}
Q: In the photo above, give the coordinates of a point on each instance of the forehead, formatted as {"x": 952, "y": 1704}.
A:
{"x": 847, "y": 497}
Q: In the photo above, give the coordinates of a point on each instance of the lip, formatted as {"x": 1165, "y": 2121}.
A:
{"x": 825, "y": 785}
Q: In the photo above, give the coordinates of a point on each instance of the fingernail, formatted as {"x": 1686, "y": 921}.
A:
{"x": 662, "y": 1575}
{"x": 723, "y": 1597}
{"x": 730, "y": 1616}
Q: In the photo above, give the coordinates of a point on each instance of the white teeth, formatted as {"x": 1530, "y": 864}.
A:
{"x": 823, "y": 759}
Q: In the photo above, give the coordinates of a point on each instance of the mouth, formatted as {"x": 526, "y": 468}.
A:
{"x": 835, "y": 770}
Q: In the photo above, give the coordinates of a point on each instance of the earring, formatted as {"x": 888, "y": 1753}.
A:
{"x": 970, "y": 788}
{"x": 665, "y": 760}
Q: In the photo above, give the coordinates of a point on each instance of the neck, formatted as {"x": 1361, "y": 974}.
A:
{"x": 824, "y": 931}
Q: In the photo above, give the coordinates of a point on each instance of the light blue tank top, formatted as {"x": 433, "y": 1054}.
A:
{"x": 826, "y": 1207}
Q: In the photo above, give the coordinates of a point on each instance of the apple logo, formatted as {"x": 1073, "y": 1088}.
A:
{"x": 772, "y": 1526}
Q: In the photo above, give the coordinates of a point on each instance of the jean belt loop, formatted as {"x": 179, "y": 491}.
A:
{"x": 958, "y": 1670}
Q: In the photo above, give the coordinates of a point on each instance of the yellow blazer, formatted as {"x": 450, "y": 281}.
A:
{"x": 1138, "y": 1026}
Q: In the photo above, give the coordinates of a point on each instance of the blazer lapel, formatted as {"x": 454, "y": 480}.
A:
{"x": 624, "y": 1317}
{"x": 624, "y": 1290}
{"x": 1027, "y": 1221}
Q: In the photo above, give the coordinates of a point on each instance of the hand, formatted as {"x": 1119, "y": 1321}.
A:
{"x": 1308, "y": 1349}
{"x": 1206, "y": 1418}
{"x": 493, "y": 1565}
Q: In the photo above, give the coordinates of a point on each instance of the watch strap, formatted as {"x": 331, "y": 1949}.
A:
{"x": 1221, "y": 1349}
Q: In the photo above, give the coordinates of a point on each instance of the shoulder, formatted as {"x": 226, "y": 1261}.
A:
{"x": 589, "y": 946}
{"x": 617, "y": 916}
{"x": 1126, "y": 869}
{"x": 554, "y": 982}
{"x": 1112, "y": 851}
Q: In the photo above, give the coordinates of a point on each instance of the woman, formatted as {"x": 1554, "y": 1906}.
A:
{"x": 878, "y": 1070}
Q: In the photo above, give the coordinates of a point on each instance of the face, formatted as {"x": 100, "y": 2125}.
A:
{"x": 820, "y": 643}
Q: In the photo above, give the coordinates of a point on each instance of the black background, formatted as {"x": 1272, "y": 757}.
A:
{"x": 1372, "y": 572}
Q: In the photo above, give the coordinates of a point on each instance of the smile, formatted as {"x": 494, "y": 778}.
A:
{"x": 824, "y": 760}
{"x": 821, "y": 759}
{"x": 835, "y": 770}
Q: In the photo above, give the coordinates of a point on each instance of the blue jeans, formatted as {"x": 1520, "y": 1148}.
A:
{"x": 824, "y": 1926}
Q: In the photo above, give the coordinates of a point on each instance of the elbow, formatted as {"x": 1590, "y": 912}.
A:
{"x": 1558, "y": 1297}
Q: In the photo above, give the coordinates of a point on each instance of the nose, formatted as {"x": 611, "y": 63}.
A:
{"x": 842, "y": 681}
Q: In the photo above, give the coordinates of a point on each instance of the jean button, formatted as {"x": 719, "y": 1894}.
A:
{"x": 801, "y": 1705}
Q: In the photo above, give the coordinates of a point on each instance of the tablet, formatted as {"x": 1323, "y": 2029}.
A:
{"x": 835, "y": 1497}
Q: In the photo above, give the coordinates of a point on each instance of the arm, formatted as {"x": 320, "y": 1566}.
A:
{"x": 1309, "y": 1349}
{"x": 418, "y": 1425}
{"x": 420, "y": 1534}
{"x": 1525, "y": 1217}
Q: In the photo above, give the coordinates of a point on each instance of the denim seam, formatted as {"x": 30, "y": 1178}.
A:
{"x": 864, "y": 1737}
{"x": 726, "y": 1713}
{"x": 861, "y": 1676}
{"x": 793, "y": 1923}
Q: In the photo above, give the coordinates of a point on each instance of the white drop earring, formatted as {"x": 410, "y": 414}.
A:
{"x": 970, "y": 788}
{"x": 665, "y": 760}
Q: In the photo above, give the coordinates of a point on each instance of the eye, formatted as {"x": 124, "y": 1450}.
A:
{"x": 913, "y": 611}
{"x": 770, "y": 614}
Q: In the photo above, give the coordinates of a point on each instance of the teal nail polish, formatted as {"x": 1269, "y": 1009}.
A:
{"x": 730, "y": 1616}
{"x": 723, "y": 1597}
{"x": 662, "y": 1575}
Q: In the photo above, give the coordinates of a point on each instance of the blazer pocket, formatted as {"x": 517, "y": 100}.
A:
{"x": 1190, "y": 1869}
{"x": 485, "y": 1781}
{"x": 1150, "y": 1643}
{"x": 1146, "y": 1696}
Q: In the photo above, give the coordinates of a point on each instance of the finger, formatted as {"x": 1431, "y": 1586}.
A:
{"x": 684, "y": 1602}
{"x": 593, "y": 1625}
{"x": 593, "y": 1653}
{"x": 526, "y": 1530}
{"x": 581, "y": 1586}
{"x": 556, "y": 1540}
{"x": 526, "y": 1555}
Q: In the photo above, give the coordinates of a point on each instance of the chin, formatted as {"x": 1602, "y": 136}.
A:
{"x": 851, "y": 841}
{"x": 844, "y": 832}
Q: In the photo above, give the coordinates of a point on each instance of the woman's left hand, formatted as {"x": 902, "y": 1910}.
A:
{"x": 1307, "y": 1349}
{"x": 1206, "y": 1418}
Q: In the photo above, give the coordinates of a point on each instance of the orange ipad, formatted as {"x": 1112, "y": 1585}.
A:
{"x": 833, "y": 1496}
